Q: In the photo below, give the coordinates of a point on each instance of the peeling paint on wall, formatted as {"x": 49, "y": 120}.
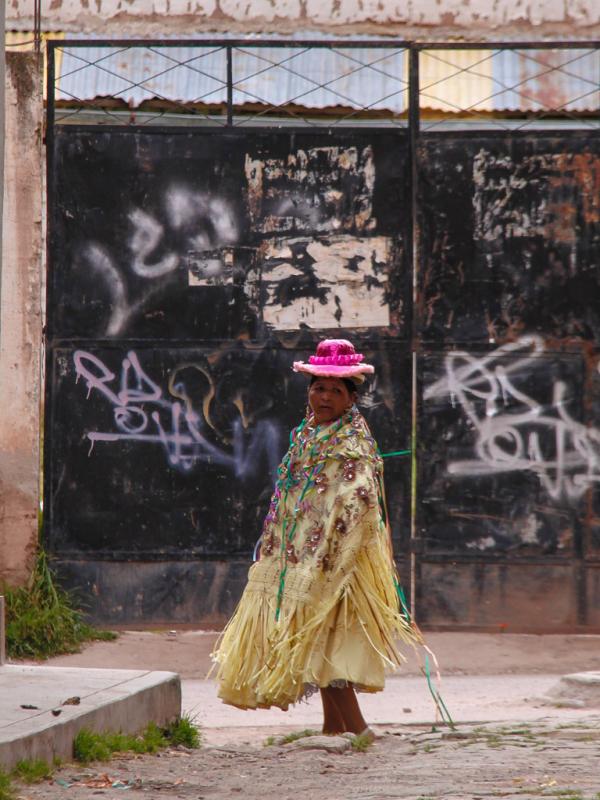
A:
{"x": 468, "y": 17}
{"x": 340, "y": 282}
{"x": 321, "y": 189}
{"x": 510, "y": 203}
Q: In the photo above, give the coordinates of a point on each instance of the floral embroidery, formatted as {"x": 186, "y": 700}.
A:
{"x": 314, "y": 539}
{"x": 321, "y": 483}
{"x": 340, "y": 526}
{"x": 291, "y": 554}
{"x": 349, "y": 470}
{"x": 269, "y": 543}
{"x": 325, "y": 563}
{"x": 363, "y": 494}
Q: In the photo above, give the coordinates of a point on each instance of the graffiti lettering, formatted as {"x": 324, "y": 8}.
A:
{"x": 515, "y": 432}
{"x": 194, "y": 223}
{"x": 174, "y": 425}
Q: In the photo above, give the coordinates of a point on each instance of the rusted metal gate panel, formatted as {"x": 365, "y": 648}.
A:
{"x": 188, "y": 270}
{"x": 509, "y": 418}
{"x": 190, "y": 266}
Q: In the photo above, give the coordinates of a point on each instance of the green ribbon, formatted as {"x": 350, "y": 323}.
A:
{"x": 437, "y": 698}
{"x": 396, "y": 453}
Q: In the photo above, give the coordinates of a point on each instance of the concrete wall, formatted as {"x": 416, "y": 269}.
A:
{"x": 440, "y": 19}
{"x": 20, "y": 317}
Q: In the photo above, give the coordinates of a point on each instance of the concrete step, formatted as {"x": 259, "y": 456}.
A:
{"x": 577, "y": 690}
{"x": 37, "y": 723}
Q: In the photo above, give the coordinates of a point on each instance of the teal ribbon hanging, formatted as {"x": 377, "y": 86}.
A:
{"x": 437, "y": 698}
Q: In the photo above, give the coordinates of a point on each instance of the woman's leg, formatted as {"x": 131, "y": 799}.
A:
{"x": 345, "y": 700}
{"x": 333, "y": 722}
{"x": 341, "y": 711}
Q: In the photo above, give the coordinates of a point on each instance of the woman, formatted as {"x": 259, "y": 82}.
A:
{"x": 321, "y": 608}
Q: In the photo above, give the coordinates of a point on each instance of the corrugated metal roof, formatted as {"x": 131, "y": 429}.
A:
{"x": 510, "y": 80}
{"x": 537, "y": 80}
{"x": 482, "y": 80}
{"x": 455, "y": 80}
{"x": 310, "y": 77}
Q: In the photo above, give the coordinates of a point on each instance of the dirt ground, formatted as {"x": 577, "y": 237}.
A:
{"x": 518, "y": 762}
{"x": 542, "y": 753}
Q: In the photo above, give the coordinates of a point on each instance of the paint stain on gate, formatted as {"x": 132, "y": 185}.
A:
{"x": 321, "y": 270}
{"x": 333, "y": 283}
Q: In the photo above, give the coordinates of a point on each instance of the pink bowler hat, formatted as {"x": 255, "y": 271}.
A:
{"x": 335, "y": 358}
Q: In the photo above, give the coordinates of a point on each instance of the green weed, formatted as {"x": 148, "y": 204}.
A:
{"x": 41, "y": 620}
{"x": 184, "y": 731}
{"x": 32, "y": 771}
{"x": 89, "y": 746}
{"x": 293, "y": 737}
{"x": 269, "y": 741}
{"x": 361, "y": 742}
{"x": 6, "y": 788}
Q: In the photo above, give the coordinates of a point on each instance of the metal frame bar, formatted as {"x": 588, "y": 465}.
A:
{"x": 530, "y": 44}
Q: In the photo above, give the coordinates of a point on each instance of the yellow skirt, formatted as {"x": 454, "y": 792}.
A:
{"x": 345, "y": 633}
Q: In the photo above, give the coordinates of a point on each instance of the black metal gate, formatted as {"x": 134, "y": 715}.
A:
{"x": 191, "y": 263}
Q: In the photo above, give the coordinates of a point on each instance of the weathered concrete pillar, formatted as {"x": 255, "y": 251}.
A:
{"x": 2, "y": 633}
{"x": 20, "y": 316}
{"x": 2, "y": 79}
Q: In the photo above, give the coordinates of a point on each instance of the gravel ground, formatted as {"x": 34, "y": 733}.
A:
{"x": 520, "y": 760}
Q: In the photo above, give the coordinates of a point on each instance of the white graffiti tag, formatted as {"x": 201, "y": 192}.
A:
{"x": 204, "y": 225}
{"x": 174, "y": 425}
{"x": 515, "y": 432}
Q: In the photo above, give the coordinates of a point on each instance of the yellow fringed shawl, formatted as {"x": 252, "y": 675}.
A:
{"x": 321, "y": 604}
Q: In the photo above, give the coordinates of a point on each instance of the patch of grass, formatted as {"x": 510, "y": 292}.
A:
{"x": 293, "y": 737}
{"x": 361, "y": 742}
{"x": 89, "y": 746}
{"x": 184, "y": 731}
{"x": 524, "y": 731}
{"x": 33, "y": 771}
{"x": 41, "y": 620}
{"x": 567, "y": 794}
{"x": 6, "y": 788}
{"x": 270, "y": 741}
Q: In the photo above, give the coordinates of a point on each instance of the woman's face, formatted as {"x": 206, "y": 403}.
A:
{"x": 328, "y": 398}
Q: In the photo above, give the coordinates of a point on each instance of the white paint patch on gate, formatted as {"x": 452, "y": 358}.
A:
{"x": 349, "y": 283}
